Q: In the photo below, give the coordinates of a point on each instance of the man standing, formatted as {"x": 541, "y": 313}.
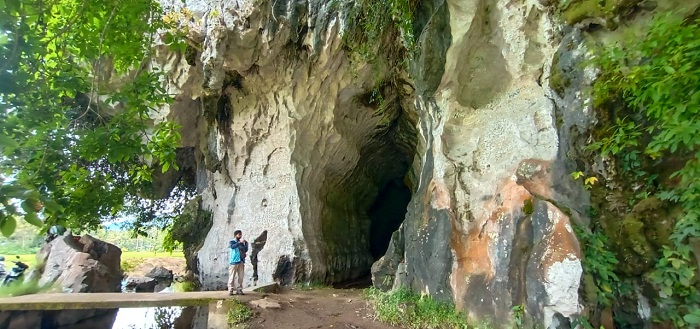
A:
{"x": 238, "y": 247}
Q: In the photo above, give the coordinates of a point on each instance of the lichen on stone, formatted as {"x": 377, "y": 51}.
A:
{"x": 575, "y": 11}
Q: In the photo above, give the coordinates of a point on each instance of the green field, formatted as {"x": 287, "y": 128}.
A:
{"x": 129, "y": 256}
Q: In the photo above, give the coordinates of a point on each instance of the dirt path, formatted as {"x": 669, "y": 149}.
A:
{"x": 322, "y": 308}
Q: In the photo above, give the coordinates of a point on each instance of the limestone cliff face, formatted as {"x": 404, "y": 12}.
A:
{"x": 469, "y": 154}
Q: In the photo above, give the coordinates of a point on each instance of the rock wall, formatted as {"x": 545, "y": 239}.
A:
{"x": 481, "y": 130}
{"x": 292, "y": 137}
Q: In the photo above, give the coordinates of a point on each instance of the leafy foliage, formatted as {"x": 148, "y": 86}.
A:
{"x": 189, "y": 228}
{"x": 600, "y": 263}
{"x": 374, "y": 27}
{"x": 372, "y": 21}
{"x": 657, "y": 78}
{"x": 76, "y": 95}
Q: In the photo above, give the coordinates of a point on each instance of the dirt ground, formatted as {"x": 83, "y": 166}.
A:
{"x": 321, "y": 308}
{"x": 175, "y": 264}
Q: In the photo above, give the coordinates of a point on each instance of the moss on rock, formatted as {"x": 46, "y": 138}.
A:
{"x": 575, "y": 11}
{"x": 191, "y": 228}
{"x": 558, "y": 80}
{"x": 637, "y": 238}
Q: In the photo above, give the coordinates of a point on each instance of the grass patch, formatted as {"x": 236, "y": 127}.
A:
{"x": 21, "y": 288}
{"x": 132, "y": 259}
{"x": 29, "y": 259}
{"x": 407, "y": 309}
{"x": 238, "y": 313}
{"x": 186, "y": 286}
{"x": 151, "y": 254}
{"x": 129, "y": 259}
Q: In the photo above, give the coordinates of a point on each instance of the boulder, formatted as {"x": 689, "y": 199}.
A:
{"x": 84, "y": 264}
{"x": 160, "y": 273}
{"x": 141, "y": 284}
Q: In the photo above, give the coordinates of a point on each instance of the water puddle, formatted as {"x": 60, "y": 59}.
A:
{"x": 161, "y": 317}
{"x": 211, "y": 315}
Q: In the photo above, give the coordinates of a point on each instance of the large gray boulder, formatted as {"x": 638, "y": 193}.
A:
{"x": 160, "y": 273}
{"x": 141, "y": 284}
{"x": 84, "y": 264}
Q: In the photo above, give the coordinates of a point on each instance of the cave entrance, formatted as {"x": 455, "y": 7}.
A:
{"x": 386, "y": 215}
{"x": 366, "y": 205}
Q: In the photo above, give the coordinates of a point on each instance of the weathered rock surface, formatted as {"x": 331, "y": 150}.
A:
{"x": 141, "y": 284}
{"x": 457, "y": 186}
{"x": 161, "y": 273}
{"x": 61, "y": 319}
{"x": 80, "y": 265}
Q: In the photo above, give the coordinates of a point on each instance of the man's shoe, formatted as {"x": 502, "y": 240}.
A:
{"x": 230, "y": 293}
{"x": 239, "y": 292}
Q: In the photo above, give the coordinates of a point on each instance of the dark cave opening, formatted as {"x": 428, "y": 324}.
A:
{"x": 386, "y": 215}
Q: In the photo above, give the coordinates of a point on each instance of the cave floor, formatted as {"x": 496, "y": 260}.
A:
{"x": 318, "y": 308}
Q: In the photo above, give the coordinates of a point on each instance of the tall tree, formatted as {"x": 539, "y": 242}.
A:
{"x": 76, "y": 97}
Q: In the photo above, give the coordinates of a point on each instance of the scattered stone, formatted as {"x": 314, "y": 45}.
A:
{"x": 266, "y": 303}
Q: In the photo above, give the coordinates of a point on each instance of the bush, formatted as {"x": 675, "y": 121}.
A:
{"x": 655, "y": 81}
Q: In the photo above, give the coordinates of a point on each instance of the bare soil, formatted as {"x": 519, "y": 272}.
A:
{"x": 145, "y": 265}
{"x": 320, "y": 308}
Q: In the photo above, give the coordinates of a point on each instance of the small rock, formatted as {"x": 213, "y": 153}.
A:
{"x": 266, "y": 303}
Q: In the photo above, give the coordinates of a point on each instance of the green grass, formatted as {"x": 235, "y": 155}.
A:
{"x": 19, "y": 289}
{"x": 409, "y": 310}
{"x": 238, "y": 313}
{"x": 27, "y": 259}
{"x": 151, "y": 254}
{"x": 131, "y": 258}
{"x": 185, "y": 286}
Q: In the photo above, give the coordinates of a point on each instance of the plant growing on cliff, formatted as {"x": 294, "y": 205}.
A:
{"x": 372, "y": 21}
{"x": 600, "y": 264}
{"x": 76, "y": 96}
{"x": 656, "y": 80}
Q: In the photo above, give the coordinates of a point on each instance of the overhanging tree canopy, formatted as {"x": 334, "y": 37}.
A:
{"x": 76, "y": 94}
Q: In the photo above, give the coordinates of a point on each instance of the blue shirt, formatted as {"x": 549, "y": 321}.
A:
{"x": 235, "y": 256}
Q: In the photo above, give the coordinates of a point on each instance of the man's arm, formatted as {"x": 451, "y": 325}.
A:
{"x": 233, "y": 244}
{"x": 245, "y": 246}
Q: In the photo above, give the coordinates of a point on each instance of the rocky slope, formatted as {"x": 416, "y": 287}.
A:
{"x": 458, "y": 162}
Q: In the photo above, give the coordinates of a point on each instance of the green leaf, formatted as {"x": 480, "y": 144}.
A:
{"x": 7, "y": 227}
{"x": 692, "y": 318}
{"x": 33, "y": 219}
{"x": 28, "y": 206}
{"x": 7, "y": 141}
